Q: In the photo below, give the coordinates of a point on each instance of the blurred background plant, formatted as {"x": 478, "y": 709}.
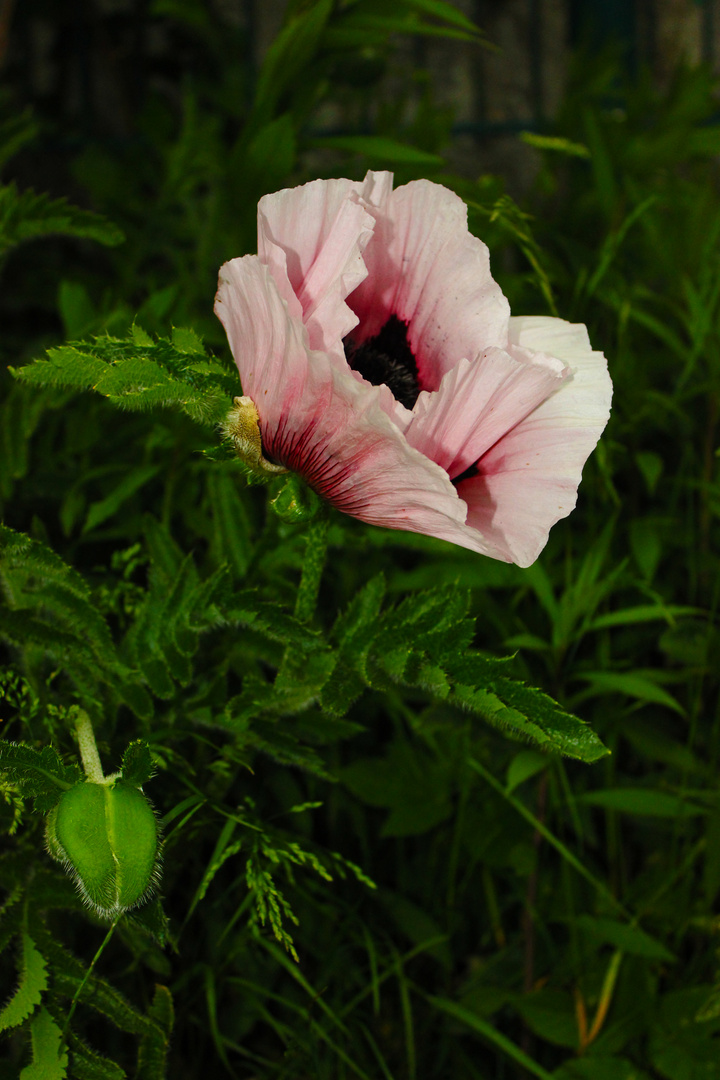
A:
{"x": 397, "y": 890}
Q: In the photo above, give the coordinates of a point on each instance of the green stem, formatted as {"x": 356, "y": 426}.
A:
{"x": 87, "y": 975}
{"x": 313, "y": 565}
{"x": 88, "y": 747}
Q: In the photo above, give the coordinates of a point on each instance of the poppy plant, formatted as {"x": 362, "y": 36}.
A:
{"x": 386, "y": 369}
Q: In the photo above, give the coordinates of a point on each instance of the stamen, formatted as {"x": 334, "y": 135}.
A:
{"x": 387, "y": 358}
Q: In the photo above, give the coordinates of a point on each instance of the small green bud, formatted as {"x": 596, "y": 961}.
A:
{"x": 107, "y": 837}
{"x": 294, "y": 502}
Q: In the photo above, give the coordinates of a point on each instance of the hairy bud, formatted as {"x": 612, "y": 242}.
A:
{"x": 106, "y": 835}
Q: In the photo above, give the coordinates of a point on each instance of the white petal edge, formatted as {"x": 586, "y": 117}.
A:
{"x": 530, "y": 477}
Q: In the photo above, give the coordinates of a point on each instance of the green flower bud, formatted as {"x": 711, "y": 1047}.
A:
{"x": 106, "y": 835}
{"x": 293, "y": 501}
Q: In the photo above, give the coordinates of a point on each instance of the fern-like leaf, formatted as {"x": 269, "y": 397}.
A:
{"x": 33, "y": 983}
{"x": 27, "y": 216}
{"x": 49, "y": 1061}
{"x": 153, "y": 1047}
{"x": 141, "y": 374}
{"x": 40, "y": 774}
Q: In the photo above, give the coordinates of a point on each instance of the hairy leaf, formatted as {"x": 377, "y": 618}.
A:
{"x": 49, "y": 1061}
{"x": 140, "y": 374}
{"x": 33, "y": 983}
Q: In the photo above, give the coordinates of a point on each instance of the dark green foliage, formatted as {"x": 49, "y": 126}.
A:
{"x": 386, "y": 851}
{"x": 139, "y": 373}
{"x": 137, "y": 764}
{"x": 27, "y": 216}
{"x": 40, "y": 774}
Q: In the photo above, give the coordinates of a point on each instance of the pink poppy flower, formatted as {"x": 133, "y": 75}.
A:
{"x": 386, "y": 370}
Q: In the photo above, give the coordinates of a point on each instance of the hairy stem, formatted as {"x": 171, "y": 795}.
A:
{"x": 313, "y": 565}
{"x": 88, "y": 747}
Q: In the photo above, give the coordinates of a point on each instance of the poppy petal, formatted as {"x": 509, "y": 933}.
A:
{"x": 314, "y": 236}
{"x": 528, "y": 480}
{"x": 480, "y": 401}
{"x": 320, "y": 422}
{"x": 426, "y": 268}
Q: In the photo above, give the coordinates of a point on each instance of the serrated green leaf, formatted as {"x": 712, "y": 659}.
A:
{"x": 33, "y": 983}
{"x": 137, "y": 698}
{"x": 27, "y": 216}
{"x": 132, "y": 481}
{"x": 87, "y": 1064}
{"x": 532, "y": 715}
{"x": 40, "y": 773}
{"x": 342, "y": 689}
{"x": 50, "y": 1060}
{"x": 152, "y": 920}
{"x": 137, "y": 764}
{"x": 152, "y": 1052}
{"x": 139, "y": 336}
{"x": 362, "y": 611}
{"x": 53, "y": 607}
{"x": 165, "y": 555}
{"x": 271, "y": 620}
{"x": 186, "y": 340}
{"x": 157, "y": 673}
{"x": 136, "y": 375}
{"x": 68, "y": 975}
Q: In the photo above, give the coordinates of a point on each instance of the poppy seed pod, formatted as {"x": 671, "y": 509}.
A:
{"x": 106, "y": 835}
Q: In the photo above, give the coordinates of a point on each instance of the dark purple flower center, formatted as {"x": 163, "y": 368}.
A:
{"x": 472, "y": 470}
{"x": 387, "y": 358}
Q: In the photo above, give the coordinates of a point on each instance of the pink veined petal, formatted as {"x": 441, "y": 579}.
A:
{"x": 313, "y": 237}
{"x": 478, "y": 402}
{"x": 320, "y": 422}
{"x": 528, "y": 480}
{"x": 426, "y": 268}
{"x": 375, "y": 190}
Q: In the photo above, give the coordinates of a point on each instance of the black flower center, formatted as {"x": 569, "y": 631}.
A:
{"x": 387, "y": 358}
{"x": 472, "y": 470}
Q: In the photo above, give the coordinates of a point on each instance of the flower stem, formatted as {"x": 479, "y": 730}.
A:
{"x": 87, "y": 975}
{"x": 88, "y": 747}
{"x": 313, "y": 564}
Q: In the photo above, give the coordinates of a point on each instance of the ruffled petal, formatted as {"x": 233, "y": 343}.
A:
{"x": 528, "y": 480}
{"x": 480, "y": 401}
{"x": 312, "y": 237}
{"x": 320, "y": 422}
{"x": 426, "y": 268}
